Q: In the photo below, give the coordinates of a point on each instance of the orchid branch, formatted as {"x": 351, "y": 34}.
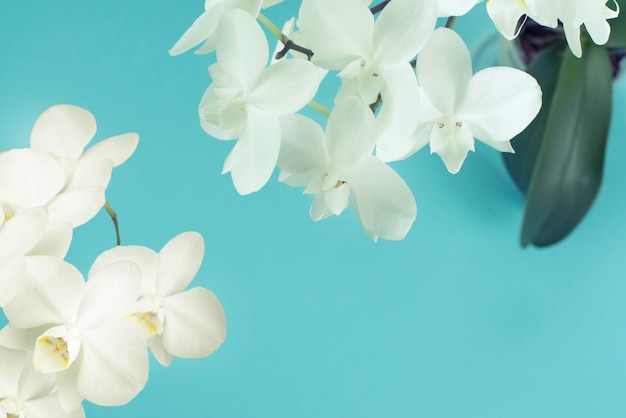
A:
{"x": 113, "y": 216}
{"x": 379, "y": 7}
{"x": 289, "y": 44}
{"x": 319, "y": 107}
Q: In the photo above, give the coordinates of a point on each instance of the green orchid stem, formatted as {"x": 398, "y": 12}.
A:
{"x": 113, "y": 216}
{"x": 379, "y": 7}
{"x": 450, "y": 22}
{"x": 272, "y": 27}
{"x": 320, "y": 108}
{"x": 289, "y": 44}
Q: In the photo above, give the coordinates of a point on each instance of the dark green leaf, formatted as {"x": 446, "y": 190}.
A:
{"x": 568, "y": 169}
{"x": 545, "y": 68}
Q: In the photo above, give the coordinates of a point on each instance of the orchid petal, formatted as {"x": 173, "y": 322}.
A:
{"x": 455, "y": 7}
{"x": 347, "y": 30}
{"x": 63, "y": 131}
{"x": 444, "y": 76}
{"x": 146, "y": 260}
{"x": 54, "y": 291}
{"x": 29, "y": 178}
{"x": 69, "y": 398}
{"x": 76, "y": 207}
{"x": 180, "y": 258}
{"x": 110, "y": 294}
{"x": 23, "y": 231}
{"x": 502, "y": 101}
{"x": 195, "y": 324}
{"x": 252, "y": 160}
{"x": 49, "y": 406}
{"x": 350, "y": 132}
{"x": 402, "y": 30}
{"x": 319, "y": 210}
{"x": 384, "y": 203}
{"x": 20, "y": 339}
{"x": 201, "y": 29}
{"x": 114, "y": 366}
{"x": 12, "y": 273}
{"x": 116, "y": 148}
{"x": 303, "y": 147}
{"x": 94, "y": 173}
{"x": 396, "y": 119}
{"x": 285, "y": 87}
{"x": 210, "y": 110}
{"x": 55, "y": 240}
{"x": 452, "y": 145}
{"x": 242, "y": 48}
{"x": 572, "y": 35}
{"x": 160, "y": 353}
{"x": 252, "y": 7}
{"x": 336, "y": 198}
{"x": 12, "y": 363}
{"x": 506, "y": 14}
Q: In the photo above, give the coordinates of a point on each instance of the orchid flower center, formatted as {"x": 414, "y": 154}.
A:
{"x": 150, "y": 322}
{"x": 56, "y": 349}
{"x": 12, "y": 407}
{"x": 336, "y": 193}
{"x": 448, "y": 128}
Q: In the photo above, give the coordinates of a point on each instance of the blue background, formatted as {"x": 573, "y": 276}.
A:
{"x": 455, "y": 321}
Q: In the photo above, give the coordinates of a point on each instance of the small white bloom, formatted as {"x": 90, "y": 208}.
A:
{"x": 176, "y": 322}
{"x": 339, "y": 168}
{"x": 204, "y": 28}
{"x": 78, "y": 330}
{"x": 55, "y": 186}
{"x": 493, "y": 105}
{"x": 363, "y": 50}
{"x": 246, "y": 98}
{"x": 593, "y": 14}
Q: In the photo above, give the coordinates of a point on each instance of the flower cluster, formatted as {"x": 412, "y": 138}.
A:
{"x": 405, "y": 83}
{"x": 68, "y": 338}
{"x": 572, "y": 14}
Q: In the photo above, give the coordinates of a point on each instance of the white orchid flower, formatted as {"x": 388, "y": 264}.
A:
{"x": 78, "y": 330}
{"x": 58, "y": 177}
{"x": 64, "y": 131}
{"x": 493, "y": 105}
{"x": 26, "y": 393}
{"x": 344, "y": 36}
{"x": 204, "y": 28}
{"x": 246, "y": 99}
{"x": 176, "y": 322}
{"x": 591, "y": 13}
{"x": 572, "y": 13}
{"x": 339, "y": 168}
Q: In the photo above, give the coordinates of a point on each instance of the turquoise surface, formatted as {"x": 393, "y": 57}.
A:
{"x": 455, "y": 321}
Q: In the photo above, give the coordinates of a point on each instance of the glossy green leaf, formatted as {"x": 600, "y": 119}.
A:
{"x": 545, "y": 68}
{"x": 618, "y": 28}
{"x": 568, "y": 171}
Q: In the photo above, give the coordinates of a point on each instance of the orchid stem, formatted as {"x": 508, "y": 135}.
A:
{"x": 320, "y": 108}
{"x": 113, "y": 216}
{"x": 272, "y": 27}
{"x": 379, "y": 7}
{"x": 450, "y": 22}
